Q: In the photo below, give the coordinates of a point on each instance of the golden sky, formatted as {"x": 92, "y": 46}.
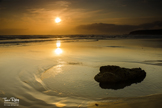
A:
{"x": 37, "y": 17}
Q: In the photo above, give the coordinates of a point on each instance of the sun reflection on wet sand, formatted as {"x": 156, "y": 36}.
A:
{"x": 58, "y": 43}
{"x": 58, "y": 51}
{"x": 59, "y": 104}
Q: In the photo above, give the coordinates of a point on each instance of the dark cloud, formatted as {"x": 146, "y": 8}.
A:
{"x": 12, "y": 31}
{"x": 22, "y": 6}
{"x": 103, "y": 28}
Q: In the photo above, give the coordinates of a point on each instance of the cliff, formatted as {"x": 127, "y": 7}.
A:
{"x": 147, "y": 32}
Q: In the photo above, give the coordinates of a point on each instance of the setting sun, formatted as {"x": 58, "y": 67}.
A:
{"x": 57, "y": 20}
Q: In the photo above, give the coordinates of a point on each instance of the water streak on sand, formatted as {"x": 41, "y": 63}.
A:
{"x": 51, "y": 72}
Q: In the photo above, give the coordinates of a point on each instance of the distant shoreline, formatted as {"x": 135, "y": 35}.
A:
{"x": 147, "y": 32}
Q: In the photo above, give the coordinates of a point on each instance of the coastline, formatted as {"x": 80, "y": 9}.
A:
{"x": 150, "y": 101}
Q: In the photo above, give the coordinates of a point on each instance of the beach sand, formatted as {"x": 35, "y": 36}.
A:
{"x": 43, "y": 75}
{"x": 151, "y": 101}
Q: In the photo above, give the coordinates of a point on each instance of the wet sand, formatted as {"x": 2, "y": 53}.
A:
{"x": 151, "y": 101}
{"x": 43, "y": 75}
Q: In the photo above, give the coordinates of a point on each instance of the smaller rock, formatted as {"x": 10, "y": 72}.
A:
{"x": 96, "y": 104}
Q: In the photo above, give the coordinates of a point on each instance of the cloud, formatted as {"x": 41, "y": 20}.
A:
{"x": 12, "y": 31}
{"x": 104, "y": 28}
{"x": 23, "y": 6}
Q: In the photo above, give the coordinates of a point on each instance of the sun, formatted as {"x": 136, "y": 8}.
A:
{"x": 57, "y": 20}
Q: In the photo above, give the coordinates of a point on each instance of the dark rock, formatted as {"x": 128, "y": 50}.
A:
{"x": 96, "y": 104}
{"x": 116, "y": 77}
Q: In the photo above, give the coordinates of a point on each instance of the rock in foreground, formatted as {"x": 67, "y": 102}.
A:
{"x": 115, "y": 74}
